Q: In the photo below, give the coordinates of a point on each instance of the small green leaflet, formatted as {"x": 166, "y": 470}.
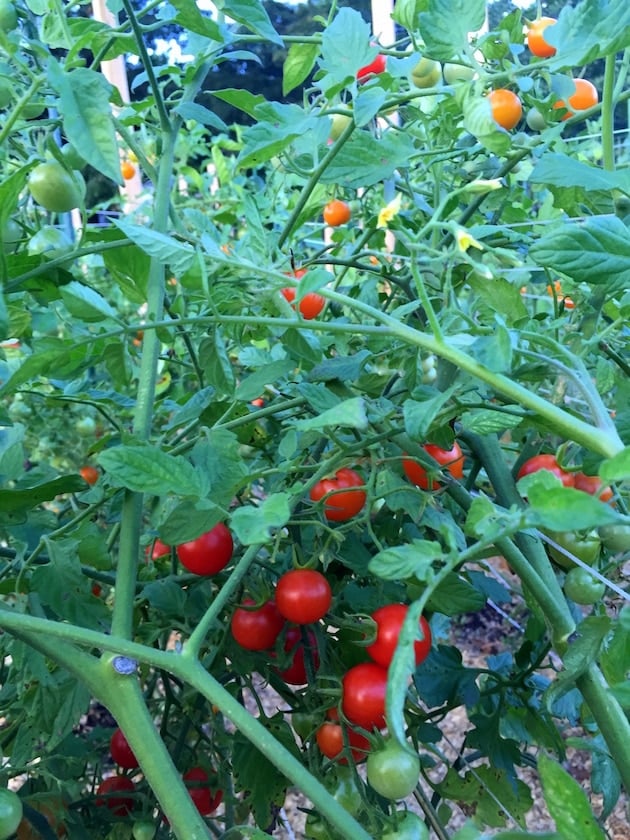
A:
{"x": 554, "y": 169}
{"x": 446, "y": 24}
{"x": 255, "y": 524}
{"x": 567, "y": 802}
{"x": 167, "y": 250}
{"x": 414, "y": 559}
{"x": 298, "y": 64}
{"x": 147, "y": 469}
{"x": 350, "y": 414}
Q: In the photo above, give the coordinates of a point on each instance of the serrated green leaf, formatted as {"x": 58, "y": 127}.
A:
{"x": 595, "y": 251}
{"x": 564, "y": 171}
{"x": 446, "y": 24}
{"x": 146, "y": 469}
{"x": 551, "y": 505}
{"x": 298, "y": 64}
{"x": 345, "y": 48}
{"x": 455, "y": 596}
{"x": 406, "y": 13}
{"x": 583, "y": 650}
{"x": 415, "y": 559}
{"x": 86, "y": 303}
{"x": 255, "y": 524}
{"x": 190, "y": 18}
{"x": 486, "y": 421}
{"x": 201, "y": 115}
{"x": 616, "y": 468}
{"x": 22, "y": 498}
{"x": 499, "y": 295}
{"x": 253, "y": 385}
{"x": 350, "y": 414}
{"x": 418, "y": 416}
{"x": 88, "y": 122}
{"x": 379, "y": 157}
{"x": 252, "y": 15}
{"x": 567, "y": 802}
{"x": 165, "y": 249}
{"x": 592, "y": 29}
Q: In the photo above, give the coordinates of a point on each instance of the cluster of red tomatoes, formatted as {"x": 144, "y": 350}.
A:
{"x": 117, "y": 792}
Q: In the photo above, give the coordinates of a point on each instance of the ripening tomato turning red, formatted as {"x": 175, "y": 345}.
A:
{"x": 506, "y": 108}
{"x": 389, "y": 621}
{"x": 585, "y": 96}
{"x": 345, "y": 500}
{"x": 593, "y": 485}
{"x": 209, "y": 553}
{"x": 303, "y": 596}
{"x": 536, "y": 42}
{"x": 452, "y": 459}
{"x": 330, "y": 740}
{"x": 89, "y": 474}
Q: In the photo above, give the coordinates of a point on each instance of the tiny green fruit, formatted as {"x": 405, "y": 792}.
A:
{"x": 55, "y": 188}
{"x": 427, "y": 73}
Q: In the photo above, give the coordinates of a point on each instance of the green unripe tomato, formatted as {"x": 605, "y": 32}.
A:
{"x": 8, "y": 16}
{"x": 50, "y": 242}
{"x": 410, "y": 827}
{"x": 72, "y": 157}
{"x": 56, "y": 189}
{"x": 393, "y": 771}
{"x": 616, "y": 538}
{"x": 85, "y": 426}
{"x": 143, "y": 830}
{"x": 582, "y": 587}
{"x": 12, "y": 235}
{"x": 427, "y": 73}
{"x": 585, "y": 547}
{"x": 535, "y": 120}
{"x": 11, "y": 813}
{"x": 454, "y": 73}
{"x": 339, "y": 124}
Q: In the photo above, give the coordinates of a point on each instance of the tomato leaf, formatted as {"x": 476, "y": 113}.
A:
{"x": 616, "y": 468}
{"x": 406, "y": 13}
{"x": 567, "y": 802}
{"x": 252, "y": 15}
{"x": 86, "y": 303}
{"x": 147, "y": 469}
{"x": 479, "y": 121}
{"x": 350, "y": 414}
{"x": 298, "y": 64}
{"x": 487, "y": 421}
{"x": 554, "y": 506}
{"x": 256, "y": 523}
{"x": 418, "y": 416}
{"x": 454, "y": 596}
{"x": 595, "y": 251}
{"x": 167, "y": 250}
{"x": 87, "y": 117}
{"x": 414, "y": 559}
{"x": 490, "y": 793}
{"x": 379, "y": 157}
{"x": 189, "y": 17}
{"x": 554, "y": 169}
{"x": 345, "y": 49}
{"x": 592, "y": 29}
{"x": 446, "y": 24}
{"x": 24, "y": 498}
{"x": 584, "y": 648}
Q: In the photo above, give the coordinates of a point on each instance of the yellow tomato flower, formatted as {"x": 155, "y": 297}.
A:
{"x": 465, "y": 240}
{"x": 389, "y": 211}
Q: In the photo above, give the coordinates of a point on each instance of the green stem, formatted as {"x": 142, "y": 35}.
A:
{"x": 312, "y": 182}
{"x": 608, "y": 113}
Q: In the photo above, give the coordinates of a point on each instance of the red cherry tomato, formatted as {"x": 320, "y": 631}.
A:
{"x": 389, "y": 620}
{"x": 330, "y": 741}
{"x": 296, "y": 674}
{"x": 373, "y": 68}
{"x": 593, "y": 485}
{"x": 303, "y": 596}
{"x": 452, "y": 459}
{"x": 209, "y": 553}
{"x": 345, "y": 501}
{"x": 546, "y": 462}
{"x": 157, "y": 550}
{"x": 205, "y": 799}
{"x": 363, "y": 695}
{"x": 121, "y": 751}
{"x": 121, "y": 806}
{"x": 89, "y": 474}
{"x": 310, "y": 305}
{"x": 256, "y": 629}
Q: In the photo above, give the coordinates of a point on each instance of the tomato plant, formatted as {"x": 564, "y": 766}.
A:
{"x": 452, "y": 459}
{"x": 209, "y": 553}
{"x": 201, "y": 792}
{"x": 409, "y": 826}
{"x": 310, "y": 305}
{"x": 111, "y": 792}
{"x": 256, "y": 629}
{"x": 55, "y": 188}
{"x": 303, "y": 596}
{"x": 330, "y": 740}
{"x": 11, "y": 811}
{"x": 549, "y": 463}
{"x": 585, "y": 546}
{"x": 585, "y": 96}
{"x": 389, "y": 620}
{"x": 363, "y": 695}
{"x": 8, "y": 16}
{"x": 296, "y": 673}
{"x": 378, "y": 65}
{"x": 89, "y": 474}
{"x": 583, "y": 587}
{"x": 427, "y": 73}
{"x": 121, "y": 752}
{"x": 337, "y": 212}
{"x": 393, "y": 770}
{"x": 506, "y": 107}
{"x": 342, "y": 499}
{"x": 536, "y": 42}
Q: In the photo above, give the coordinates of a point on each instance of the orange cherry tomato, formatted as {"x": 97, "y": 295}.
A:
{"x": 536, "y": 37}
{"x": 337, "y": 212}
{"x": 506, "y": 107}
{"x": 89, "y": 474}
{"x": 585, "y": 96}
{"x": 593, "y": 485}
{"x": 127, "y": 170}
